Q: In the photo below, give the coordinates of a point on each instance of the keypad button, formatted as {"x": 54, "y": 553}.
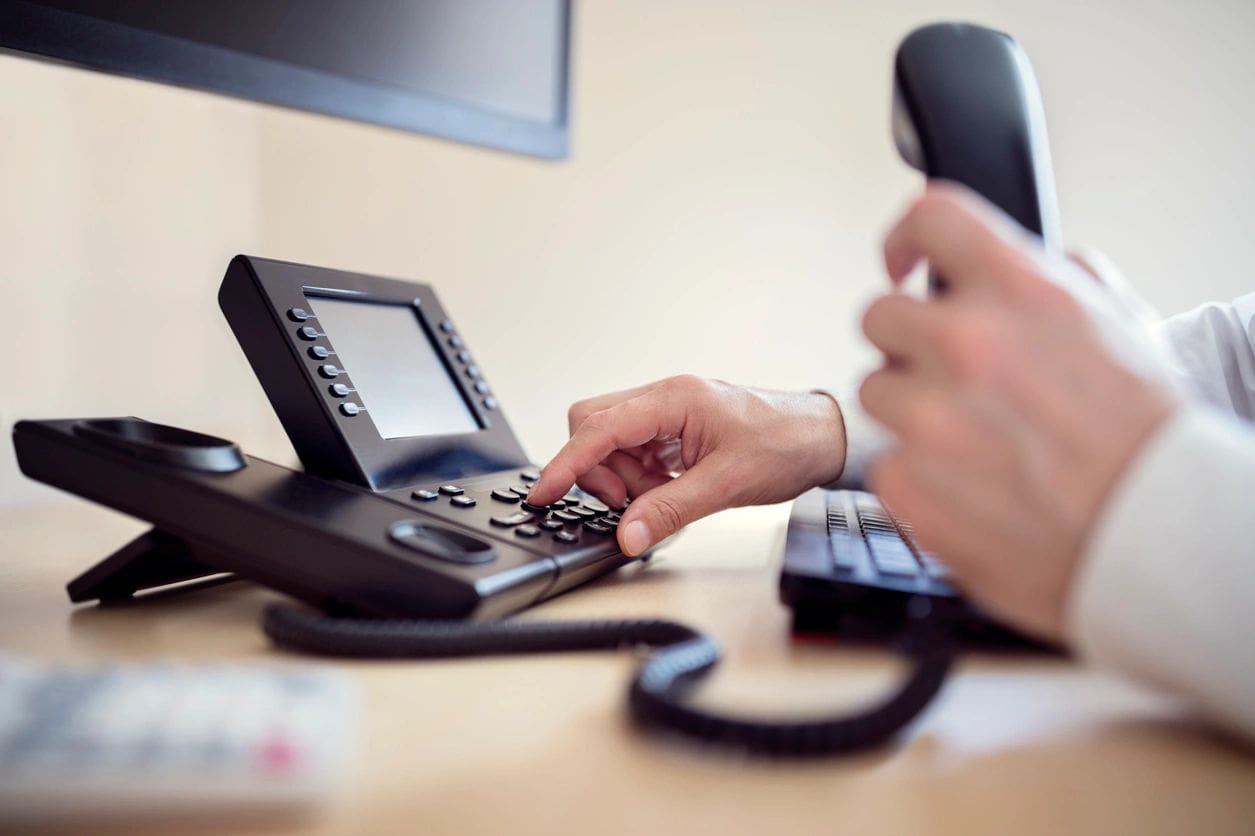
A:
{"x": 464, "y": 356}
{"x": 613, "y": 523}
{"x": 473, "y": 372}
{"x": 551, "y": 524}
{"x": 308, "y": 333}
{"x": 567, "y": 516}
{"x": 521, "y": 490}
{"x": 504, "y": 496}
{"x": 424, "y": 495}
{"x": 451, "y": 490}
{"x": 596, "y": 507}
{"x": 490, "y": 403}
{"x": 455, "y": 342}
{"x": 446, "y": 325}
{"x": 329, "y": 371}
{"x": 529, "y": 475}
{"x": 350, "y": 409}
{"x": 527, "y": 531}
{"x": 517, "y": 518}
{"x": 319, "y": 352}
{"x": 462, "y": 502}
{"x": 339, "y": 390}
{"x": 482, "y": 388}
{"x": 557, "y": 505}
{"x": 597, "y": 527}
{"x": 298, "y": 314}
{"x": 566, "y": 536}
{"x": 535, "y": 509}
{"x": 583, "y": 513}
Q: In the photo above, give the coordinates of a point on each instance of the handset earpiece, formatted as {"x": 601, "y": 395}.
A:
{"x": 966, "y": 108}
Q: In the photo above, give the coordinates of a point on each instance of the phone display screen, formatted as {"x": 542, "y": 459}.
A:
{"x": 400, "y": 379}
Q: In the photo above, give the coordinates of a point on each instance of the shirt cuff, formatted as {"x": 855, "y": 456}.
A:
{"x": 865, "y": 440}
{"x": 1165, "y": 591}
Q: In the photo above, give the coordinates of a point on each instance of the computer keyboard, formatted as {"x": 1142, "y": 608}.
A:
{"x": 852, "y": 568}
{"x": 83, "y": 741}
{"x": 868, "y": 543}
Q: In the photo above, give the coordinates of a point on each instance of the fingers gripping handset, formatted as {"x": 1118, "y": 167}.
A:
{"x": 685, "y": 447}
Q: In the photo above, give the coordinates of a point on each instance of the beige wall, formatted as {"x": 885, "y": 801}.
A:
{"x": 730, "y": 175}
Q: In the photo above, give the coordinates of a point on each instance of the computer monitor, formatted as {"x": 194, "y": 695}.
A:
{"x": 490, "y": 72}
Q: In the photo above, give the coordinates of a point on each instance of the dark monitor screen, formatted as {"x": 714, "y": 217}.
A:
{"x": 486, "y": 71}
{"x": 400, "y": 380}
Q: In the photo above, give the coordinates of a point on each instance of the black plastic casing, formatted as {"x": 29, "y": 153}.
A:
{"x": 970, "y": 96}
{"x": 256, "y": 294}
{"x": 323, "y": 542}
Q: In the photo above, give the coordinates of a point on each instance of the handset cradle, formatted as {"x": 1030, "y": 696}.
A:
{"x": 156, "y": 558}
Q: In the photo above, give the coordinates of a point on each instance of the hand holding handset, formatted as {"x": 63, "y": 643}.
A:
{"x": 966, "y": 109}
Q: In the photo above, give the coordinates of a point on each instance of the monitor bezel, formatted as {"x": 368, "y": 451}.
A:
{"x": 68, "y": 37}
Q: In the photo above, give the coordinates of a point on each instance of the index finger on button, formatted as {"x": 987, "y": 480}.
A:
{"x": 628, "y": 424}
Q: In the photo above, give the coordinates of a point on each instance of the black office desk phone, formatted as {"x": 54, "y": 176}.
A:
{"x": 412, "y": 499}
{"x": 411, "y": 503}
{"x": 410, "y": 511}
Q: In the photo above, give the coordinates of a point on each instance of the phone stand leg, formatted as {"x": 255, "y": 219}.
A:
{"x": 153, "y": 559}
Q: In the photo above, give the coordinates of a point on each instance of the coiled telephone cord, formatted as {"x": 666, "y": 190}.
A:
{"x": 657, "y": 697}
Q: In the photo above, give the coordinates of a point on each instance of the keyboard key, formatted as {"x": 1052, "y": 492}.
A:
{"x": 848, "y": 551}
{"x": 934, "y": 567}
{"x": 891, "y": 555}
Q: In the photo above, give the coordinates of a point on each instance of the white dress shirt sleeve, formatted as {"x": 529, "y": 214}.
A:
{"x": 1166, "y": 590}
{"x": 1214, "y": 349}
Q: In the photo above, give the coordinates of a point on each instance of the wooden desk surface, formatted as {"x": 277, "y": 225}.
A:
{"x": 541, "y": 744}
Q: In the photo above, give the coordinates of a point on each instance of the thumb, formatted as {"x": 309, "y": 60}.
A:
{"x": 662, "y": 511}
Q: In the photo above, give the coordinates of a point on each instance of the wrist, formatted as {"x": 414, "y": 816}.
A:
{"x": 830, "y": 438}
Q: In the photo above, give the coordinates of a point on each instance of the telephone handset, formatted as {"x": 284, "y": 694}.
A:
{"x": 966, "y": 108}
{"x": 412, "y": 505}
